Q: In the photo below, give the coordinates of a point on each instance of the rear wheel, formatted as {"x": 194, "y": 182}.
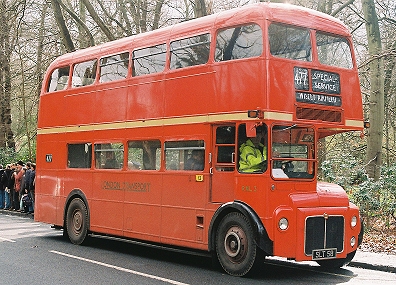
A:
{"x": 235, "y": 246}
{"x": 336, "y": 263}
{"x": 77, "y": 221}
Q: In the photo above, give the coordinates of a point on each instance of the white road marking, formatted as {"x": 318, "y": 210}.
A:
{"x": 6, "y": 239}
{"x": 120, "y": 268}
{"x": 13, "y": 228}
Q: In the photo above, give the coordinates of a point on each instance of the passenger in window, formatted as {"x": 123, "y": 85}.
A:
{"x": 253, "y": 153}
{"x": 133, "y": 165}
{"x": 111, "y": 162}
{"x": 196, "y": 161}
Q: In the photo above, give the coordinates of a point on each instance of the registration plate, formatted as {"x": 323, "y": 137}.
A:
{"x": 326, "y": 253}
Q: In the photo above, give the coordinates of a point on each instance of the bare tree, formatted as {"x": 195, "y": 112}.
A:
{"x": 98, "y": 20}
{"x": 65, "y": 34}
{"x": 6, "y": 134}
{"x": 200, "y": 8}
{"x": 375, "y": 134}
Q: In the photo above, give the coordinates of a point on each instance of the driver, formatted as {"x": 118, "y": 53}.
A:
{"x": 253, "y": 153}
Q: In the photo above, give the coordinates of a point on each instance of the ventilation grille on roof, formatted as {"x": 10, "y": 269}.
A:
{"x": 318, "y": 115}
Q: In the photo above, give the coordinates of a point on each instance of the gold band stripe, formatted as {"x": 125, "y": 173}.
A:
{"x": 212, "y": 118}
{"x": 354, "y": 123}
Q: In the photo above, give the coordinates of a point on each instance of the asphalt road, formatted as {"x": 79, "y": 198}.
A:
{"x": 33, "y": 253}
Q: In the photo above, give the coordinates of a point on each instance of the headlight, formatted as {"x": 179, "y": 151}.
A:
{"x": 353, "y": 221}
{"x": 353, "y": 241}
{"x": 283, "y": 224}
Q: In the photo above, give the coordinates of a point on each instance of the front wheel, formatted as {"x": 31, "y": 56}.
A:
{"x": 77, "y": 221}
{"x": 235, "y": 246}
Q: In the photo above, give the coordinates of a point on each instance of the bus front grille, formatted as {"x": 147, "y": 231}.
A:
{"x": 318, "y": 114}
{"x": 324, "y": 232}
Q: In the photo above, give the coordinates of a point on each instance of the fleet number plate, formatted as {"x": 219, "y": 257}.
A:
{"x": 326, "y": 253}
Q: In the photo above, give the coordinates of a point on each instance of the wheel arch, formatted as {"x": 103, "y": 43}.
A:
{"x": 261, "y": 236}
{"x": 76, "y": 193}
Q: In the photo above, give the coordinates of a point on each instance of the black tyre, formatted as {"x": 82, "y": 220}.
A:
{"x": 235, "y": 246}
{"x": 337, "y": 263}
{"x": 77, "y": 221}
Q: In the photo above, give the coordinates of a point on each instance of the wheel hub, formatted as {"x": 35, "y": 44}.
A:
{"x": 77, "y": 221}
{"x": 235, "y": 244}
{"x": 232, "y": 244}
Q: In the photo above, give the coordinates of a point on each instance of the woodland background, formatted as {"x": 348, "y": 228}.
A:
{"x": 34, "y": 33}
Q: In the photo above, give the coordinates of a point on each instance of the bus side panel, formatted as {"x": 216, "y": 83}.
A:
{"x": 255, "y": 190}
{"x": 106, "y": 204}
{"x": 236, "y": 87}
{"x": 47, "y": 206}
{"x": 143, "y": 205}
{"x": 184, "y": 198}
{"x": 145, "y": 97}
{"x": 82, "y": 106}
{"x": 195, "y": 83}
{"x": 52, "y": 110}
{"x": 49, "y": 180}
{"x": 77, "y": 179}
{"x": 111, "y": 102}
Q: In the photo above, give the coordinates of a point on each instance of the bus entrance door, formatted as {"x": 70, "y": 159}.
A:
{"x": 223, "y": 163}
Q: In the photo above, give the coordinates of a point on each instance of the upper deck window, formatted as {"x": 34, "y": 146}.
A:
{"x": 149, "y": 60}
{"x": 59, "y": 79}
{"x": 239, "y": 42}
{"x": 333, "y": 50}
{"x": 84, "y": 73}
{"x": 189, "y": 52}
{"x": 290, "y": 42}
{"x": 114, "y": 67}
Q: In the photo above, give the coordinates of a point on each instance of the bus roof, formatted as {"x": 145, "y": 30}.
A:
{"x": 284, "y": 13}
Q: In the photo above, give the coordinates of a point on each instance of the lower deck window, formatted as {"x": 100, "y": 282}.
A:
{"x": 144, "y": 155}
{"x": 185, "y": 155}
{"x": 79, "y": 155}
{"x": 109, "y": 155}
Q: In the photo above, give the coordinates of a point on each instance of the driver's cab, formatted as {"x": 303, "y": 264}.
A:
{"x": 292, "y": 152}
{"x": 289, "y": 150}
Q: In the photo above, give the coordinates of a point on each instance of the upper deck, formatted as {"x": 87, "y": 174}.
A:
{"x": 280, "y": 85}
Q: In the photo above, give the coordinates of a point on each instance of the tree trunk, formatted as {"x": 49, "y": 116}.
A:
{"x": 376, "y": 116}
{"x": 98, "y": 20}
{"x": 200, "y": 8}
{"x": 60, "y": 21}
{"x": 157, "y": 13}
{"x": 39, "y": 60}
{"x": 6, "y": 134}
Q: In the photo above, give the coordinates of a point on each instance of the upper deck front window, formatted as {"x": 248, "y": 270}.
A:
{"x": 289, "y": 42}
{"x": 59, "y": 79}
{"x": 333, "y": 50}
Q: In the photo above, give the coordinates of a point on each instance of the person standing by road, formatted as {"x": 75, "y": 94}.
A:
{"x": 2, "y": 191}
{"x": 18, "y": 176}
{"x": 5, "y": 179}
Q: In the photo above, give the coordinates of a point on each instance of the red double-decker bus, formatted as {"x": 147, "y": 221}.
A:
{"x": 145, "y": 137}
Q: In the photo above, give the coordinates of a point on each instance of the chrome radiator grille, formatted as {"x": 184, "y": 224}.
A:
{"x": 324, "y": 232}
